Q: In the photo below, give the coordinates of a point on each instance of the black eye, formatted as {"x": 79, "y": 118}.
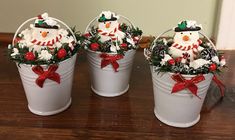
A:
{"x": 190, "y": 33}
{"x": 48, "y": 32}
{"x": 40, "y": 31}
{"x": 181, "y": 33}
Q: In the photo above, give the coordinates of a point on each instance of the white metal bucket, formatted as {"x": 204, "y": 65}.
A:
{"x": 181, "y": 109}
{"x": 106, "y": 82}
{"x": 53, "y": 97}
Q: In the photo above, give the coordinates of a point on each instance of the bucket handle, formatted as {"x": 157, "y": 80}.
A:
{"x": 89, "y": 24}
{"x": 34, "y": 18}
{"x": 87, "y": 27}
{"x": 148, "y": 51}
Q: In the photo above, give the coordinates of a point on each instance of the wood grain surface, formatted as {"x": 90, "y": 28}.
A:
{"x": 129, "y": 116}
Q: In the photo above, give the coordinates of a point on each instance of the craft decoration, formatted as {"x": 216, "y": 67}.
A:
{"x": 182, "y": 83}
{"x": 186, "y": 53}
{"x": 48, "y": 74}
{"x": 43, "y": 43}
{"x": 110, "y": 59}
{"x": 110, "y": 36}
{"x": 186, "y": 40}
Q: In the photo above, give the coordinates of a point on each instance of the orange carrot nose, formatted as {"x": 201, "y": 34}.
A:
{"x": 186, "y": 38}
{"x": 107, "y": 25}
{"x": 44, "y": 34}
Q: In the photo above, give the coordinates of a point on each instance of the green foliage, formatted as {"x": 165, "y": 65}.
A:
{"x": 93, "y": 37}
{"x": 20, "y": 58}
{"x": 160, "y": 49}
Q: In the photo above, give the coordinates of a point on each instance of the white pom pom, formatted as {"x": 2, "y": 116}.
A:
{"x": 44, "y": 15}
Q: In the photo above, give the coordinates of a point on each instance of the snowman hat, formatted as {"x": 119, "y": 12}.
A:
{"x": 107, "y": 16}
{"x": 44, "y": 21}
{"x": 187, "y": 25}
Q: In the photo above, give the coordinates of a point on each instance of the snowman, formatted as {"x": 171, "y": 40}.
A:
{"x": 186, "y": 40}
{"x": 108, "y": 27}
{"x": 45, "y": 33}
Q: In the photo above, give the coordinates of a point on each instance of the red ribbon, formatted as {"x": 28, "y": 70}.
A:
{"x": 43, "y": 75}
{"x": 182, "y": 83}
{"x": 219, "y": 84}
{"x": 110, "y": 59}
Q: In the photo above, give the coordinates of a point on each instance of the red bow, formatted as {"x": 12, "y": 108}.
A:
{"x": 43, "y": 75}
{"x": 189, "y": 84}
{"x": 219, "y": 84}
{"x": 110, "y": 59}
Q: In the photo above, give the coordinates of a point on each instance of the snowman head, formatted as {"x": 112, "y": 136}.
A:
{"x": 187, "y": 33}
{"x": 44, "y": 34}
{"x": 108, "y": 21}
{"x": 45, "y": 28}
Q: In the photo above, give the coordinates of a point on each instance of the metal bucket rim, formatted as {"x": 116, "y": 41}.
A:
{"x": 98, "y": 52}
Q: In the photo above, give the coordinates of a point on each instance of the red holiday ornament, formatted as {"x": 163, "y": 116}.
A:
{"x": 212, "y": 67}
{"x": 29, "y": 56}
{"x": 123, "y": 45}
{"x": 61, "y": 53}
{"x": 94, "y": 46}
{"x": 171, "y": 62}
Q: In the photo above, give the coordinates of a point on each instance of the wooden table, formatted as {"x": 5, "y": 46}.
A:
{"x": 129, "y": 116}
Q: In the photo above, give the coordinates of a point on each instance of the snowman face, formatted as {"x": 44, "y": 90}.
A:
{"x": 108, "y": 25}
{"x": 43, "y": 34}
{"x": 186, "y": 38}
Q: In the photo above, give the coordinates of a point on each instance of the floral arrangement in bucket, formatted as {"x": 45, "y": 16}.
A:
{"x": 186, "y": 53}
{"x": 182, "y": 68}
{"x": 45, "y": 56}
{"x": 110, "y": 41}
{"x": 110, "y": 37}
{"x": 43, "y": 44}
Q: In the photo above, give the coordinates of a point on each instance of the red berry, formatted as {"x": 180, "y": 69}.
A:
{"x": 222, "y": 57}
{"x": 178, "y": 59}
{"x": 123, "y": 45}
{"x": 17, "y": 39}
{"x": 61, "y": 53}
{"x": 94, "y": 46}
{"x": 213, "y": 67}
{"x": 29, "y": 56}
{"x": 171, "y": 62}
{"x": 136, "y": 39}
{"x": 87, "y": 35}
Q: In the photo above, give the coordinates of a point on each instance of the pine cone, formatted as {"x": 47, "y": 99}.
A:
{"x": 208, "y": 53}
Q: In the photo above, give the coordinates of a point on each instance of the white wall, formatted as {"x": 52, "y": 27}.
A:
{"x": 153, "y": 16}
{"x": 226, "y": 26}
